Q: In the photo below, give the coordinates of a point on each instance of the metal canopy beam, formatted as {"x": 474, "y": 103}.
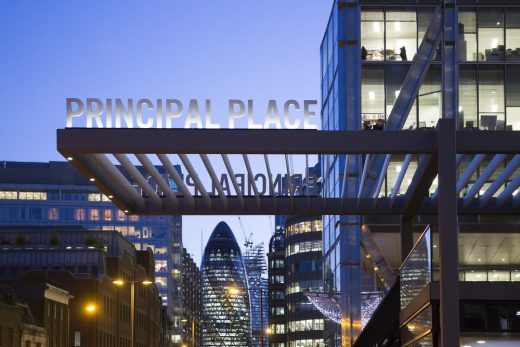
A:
{"x": 421, "y": 183}
{"x": 110, "y": 181}
{"x": 72, "y": 141}
{"x": 240, "y": 141}
{"x": 318, "y": 205}
{"x": 176, "y": 177}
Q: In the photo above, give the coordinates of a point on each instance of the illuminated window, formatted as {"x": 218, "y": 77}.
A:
{"x": 160, "y": 266}
{"x": 53, "y": 213}
{"x": 79, "y": 214}
{"x": 94, "y": 214}
{"x": 120, "y": 215}
{"x": 33, "y": 196}
{"x": 94, "y": 197}
{"x": 161, "y": 281}
{"x": 107, "y": 215}
{"x": 8, "y": 195}
{"x": 160, "y": 250}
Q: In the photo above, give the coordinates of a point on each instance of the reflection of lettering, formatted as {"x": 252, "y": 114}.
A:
{"x": 172, "y": 113}
{"x": 280, "y": 187}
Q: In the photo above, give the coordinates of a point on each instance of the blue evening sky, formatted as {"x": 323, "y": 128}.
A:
{"x": 219, "y": 50}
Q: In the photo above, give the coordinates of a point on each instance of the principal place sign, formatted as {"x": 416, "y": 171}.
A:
{"x": 172, "y": 113}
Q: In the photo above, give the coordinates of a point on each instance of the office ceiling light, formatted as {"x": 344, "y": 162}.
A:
{"x": 481, "y": 342}
{"x": 375, "y": 25}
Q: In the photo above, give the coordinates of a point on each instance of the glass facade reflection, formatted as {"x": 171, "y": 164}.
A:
{"x": 225, "y": 295}
{"x": 390, "y": 34}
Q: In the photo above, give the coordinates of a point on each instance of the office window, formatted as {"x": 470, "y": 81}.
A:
{"x": 401, "y": 35}
{"x": 467, "y": 98}
{"x": 107, "y": 215}
{"x": 53, "y": 213}
{"x": 430, "y": 98}
{"x": 8, "y": 195}
{"x": 94, "y": 214}
{"x": 32, "y": 196}
{"x": 79, "y": 214}
{"x": 491, "y": 99}
{"x": 499, "y": 276}
{"x": 512, "y": 34}
{"x": 476, "y": 276}
{"x": 394, "y": 77}
{"x": 467, "y": 35}
{"x": 490, "y": 35}
{"x": 513, "y": 98}
{"x": 372, "y": 35}
{"x": 372, "y": 96}
{"x": 424, "y": 18}
{"x": 94, "y": 197}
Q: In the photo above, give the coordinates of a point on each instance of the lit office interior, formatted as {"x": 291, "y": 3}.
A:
{"x": 489, "y": 47}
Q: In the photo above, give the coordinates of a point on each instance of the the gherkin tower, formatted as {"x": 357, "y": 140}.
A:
{"x": 225, "y": 295}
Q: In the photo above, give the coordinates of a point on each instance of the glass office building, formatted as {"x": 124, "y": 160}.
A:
{"x": 225, "y": 294}
{"x": 276, "y": 261}
{"x": 55, "y": 193}
{"x": 303, "y": 271}
{"x": 256, "y": 269}
{"x": 488, "y": 45}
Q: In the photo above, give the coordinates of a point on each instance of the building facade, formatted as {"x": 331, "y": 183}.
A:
{"x": 17, "y": 325}
{"x": 276, "y": 286}
{"x": 55, "y": 194}
{"x": 384, "y": 39}
{"x": 86, "y": 264}
{"x": 49, "y": 305}
{"x": 191, "y": 301}
{"x": 225, "y": 294}
{"x": 303, "y": 271}
{"x": 256, "y": 269}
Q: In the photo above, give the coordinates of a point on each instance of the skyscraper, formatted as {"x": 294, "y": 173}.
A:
{"x": 276, "y": 259}
{"x": 303, "y": 271}
{"x": 256, "y": 269}
{"x": 225, "y": 295}
{"x": 191, "y": 301}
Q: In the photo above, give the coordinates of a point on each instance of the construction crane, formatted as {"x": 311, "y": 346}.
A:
{"x": 247, "y": 240}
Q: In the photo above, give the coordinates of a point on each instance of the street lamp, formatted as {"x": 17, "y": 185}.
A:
{"x": 119, "y": 282}
{"x": 91, "y": 308}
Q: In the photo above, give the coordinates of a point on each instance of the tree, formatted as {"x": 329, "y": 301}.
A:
{"x": 93, "y": 241}
{"x": 21, "y": 240}
{"x": 54, "y": 239}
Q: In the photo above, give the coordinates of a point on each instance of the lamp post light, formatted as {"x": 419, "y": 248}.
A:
{"x": 120, "y": 283}
{"x": 91, "y": 308}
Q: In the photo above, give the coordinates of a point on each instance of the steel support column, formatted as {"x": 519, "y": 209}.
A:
{"x": 350, "y": 226}
{"x": 448, "y": 234}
